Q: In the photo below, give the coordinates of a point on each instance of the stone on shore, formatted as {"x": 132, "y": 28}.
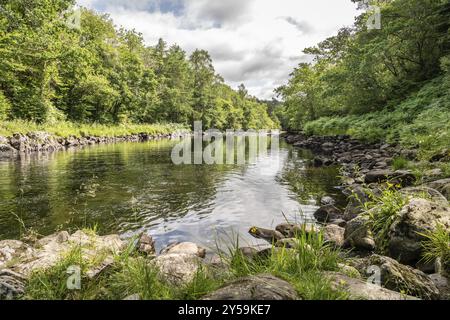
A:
{"x": 185, "y": 248}
{"x": 327, "y": 213}
{"x": 398, "y": 277}
{"x": 178, "y": 268}
{"x": 358, "y": 235}
{"x": 417, "y": 217}
{"x": 259, "y": 287}
{"x": 359, "y": 289}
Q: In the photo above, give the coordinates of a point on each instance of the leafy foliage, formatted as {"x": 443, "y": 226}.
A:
{"x": 366, "y": 82}
{"x": 52, "y": 72}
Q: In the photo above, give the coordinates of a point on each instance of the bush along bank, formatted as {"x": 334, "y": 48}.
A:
{"x": 396, "y": 223}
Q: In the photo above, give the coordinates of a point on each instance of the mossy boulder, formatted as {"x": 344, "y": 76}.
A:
{"x": 397, "y": 277}
{"x": 417, "y": 217}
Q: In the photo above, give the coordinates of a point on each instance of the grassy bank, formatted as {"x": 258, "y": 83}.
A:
{"x": 65, "y": 129}
{"x": 420, "y": 122}
{"x": 132, "y": 273}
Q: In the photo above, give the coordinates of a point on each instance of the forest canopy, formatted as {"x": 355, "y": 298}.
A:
{"x": 364, "y": 70}
{"x": 51, "y": 70}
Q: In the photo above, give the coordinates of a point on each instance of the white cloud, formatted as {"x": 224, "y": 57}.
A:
{"x": 256, "y": 42}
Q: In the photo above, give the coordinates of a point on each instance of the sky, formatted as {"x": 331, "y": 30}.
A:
{"x": 255, "y": 42}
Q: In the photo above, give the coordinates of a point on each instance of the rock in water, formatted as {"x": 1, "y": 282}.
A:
{"x": 271, "y": 236}
{"x": 146, "y": 245}
{"x": 289, "y": 230}
{"x": 327, "y": 213}
{"x": 259, "y": 287}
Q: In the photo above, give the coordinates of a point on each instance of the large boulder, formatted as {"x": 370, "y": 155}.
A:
{"x": 443, "y": 186}
{"x": 178, "y": 268}
{"x": 375, "y": 176}
{"x": 358, "y": 235}
{"x": 425, "y": 192}
{"x": 185, "y": 248}
{"x": 359, "y": 289}
{"x": 358, "y": 196}
{"x": 442, "y": 284}
{"x": 49, "y": 250}
{"x": 12, "y": 251}
{"x": 327, "y": 213}
{"x": 403, "y": 177}
{"x": 12, "y": 285}
{"x": 418, "y": 216}
{"x": 259, "y": 287}
{"x": 398, "y": 277}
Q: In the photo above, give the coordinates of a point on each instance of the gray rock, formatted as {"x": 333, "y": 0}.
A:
{"x": 334, "y": 235}
{"x": 12, "y": 284}
{"x": 442, "y": 284}
{"x": 359, "y": 289}
{"x": 270, "y": 236}
{"x": 49, "y": 250}
{"x": 358, "y": 196}
{"x": 426, "y": 192}
{"x": 185, "y": 248}
{"x": 327, "y": 200}
{"x": 328, "y": 213}
{"x": 146, "y": 245}
{"x": 398, "y": 277}
{"x": 12, "y": 251}
{"x": 376, "y": 176}
{"x": 403, "y": 177}
{"x": 289, "y": 230}
{"x": 249, "y": 252}
{"x": 259, "y": 287}
{"x": 443, "y": 186}
{"x": 415, "y": 218}
{"x": 177, "y": 268}
{"x": 358, "y": 235}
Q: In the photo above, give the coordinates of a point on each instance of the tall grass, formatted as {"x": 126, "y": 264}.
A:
{"x": 382, "y": 211}
{"x": 65, "y": 129}
{"x": 302, "y": 266}
{"x": 132, "y": 274}
{"x": 437, "y": 246}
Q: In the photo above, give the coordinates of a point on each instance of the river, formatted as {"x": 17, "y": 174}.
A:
{"x": 128, "y": 188}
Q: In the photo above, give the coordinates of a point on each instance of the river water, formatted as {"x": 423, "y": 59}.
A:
{"x": 133, "y": 187}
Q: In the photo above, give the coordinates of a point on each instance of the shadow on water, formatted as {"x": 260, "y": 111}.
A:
{"x": 131, "y": 187}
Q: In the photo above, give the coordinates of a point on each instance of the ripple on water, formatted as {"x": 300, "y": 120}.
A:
{"x": 132, "y": 187}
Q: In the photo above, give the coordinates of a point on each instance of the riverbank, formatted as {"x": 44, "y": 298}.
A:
{"x": 19, "y": 137}
{"x": 393, "y": 231}
{"x": 397, "y": 218}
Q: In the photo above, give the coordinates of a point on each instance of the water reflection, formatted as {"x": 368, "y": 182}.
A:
{"x": 131, "y": 187}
